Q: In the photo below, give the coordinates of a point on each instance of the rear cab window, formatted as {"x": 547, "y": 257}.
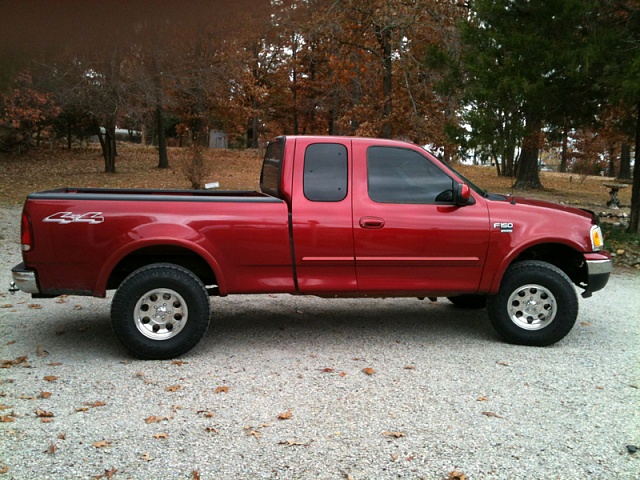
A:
{"x": 325, "y": 172}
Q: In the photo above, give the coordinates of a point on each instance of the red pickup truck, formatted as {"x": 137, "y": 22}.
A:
{"x": 335, "y": 217}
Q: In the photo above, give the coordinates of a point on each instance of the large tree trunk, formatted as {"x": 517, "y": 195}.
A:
{"x": 108, "y": 144}
{"x": 528, "y": 176}
{"x": 625, "y": 162}
{"x": 634, "y": 224}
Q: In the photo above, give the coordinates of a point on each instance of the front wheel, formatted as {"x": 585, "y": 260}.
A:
{"x": 536, "y": 304}
{"x": 160, "y": 311}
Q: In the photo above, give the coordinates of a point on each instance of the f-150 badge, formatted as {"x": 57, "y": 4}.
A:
{"x": 64, "y": 218}
{"x": 504, "y": 227}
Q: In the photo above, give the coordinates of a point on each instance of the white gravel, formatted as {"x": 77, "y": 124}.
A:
{"x": 446, "y": 393}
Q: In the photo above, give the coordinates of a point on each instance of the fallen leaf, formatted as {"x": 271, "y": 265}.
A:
{"x": 34, "y": 306}
{"x": 154, "y": 419}
{"x": 82, "y": 409}
{"x": 285, "y": 416}
{"x": 50, "y": 378}
{"x": 196, "y": 474}
{"x": 10, "y": 342}
{"x": 6, "y": 305}
{"x": 44, "y": 394}
{"x": 173, "y": 388}
{"x": 41, "y": 352}
{"x": 62, "y": 436}
{"x": 585, "y": 324}
{"x": 51, "y": 449}
{"x": 43, "y": 414}
{"x": 206, "y": 413}
{"x": 254, "y": 433}
{"x": 343, "y": 374}
{"x": 368, "y": 371}
{"x": 293, "y": 443}
{"x": 146, "y": 456}
{"x": 7, "y": 419}
{"x": 395, "y": 457}
{"x": 79, "y": 307}
{"x": 161, "y": 435}
{"x": 393, "y": 434}
{"x": 409, "y": 367}
{"x": 96, "y": 404}
{"x": 4, "y": 407}
{"x": 456, "y": 475}
{"x": 54, "y": 364}
{"x": 10, "y": 363}
{"x": 101, "y": 444}
{"x": 211, "y": 429}
{"x": 27, "y": 397}
{"x": 491, "y": 414}
{"x": 179, "y": 362}
{"x": 504, "y": 364}
{"x": 482, "y": 399}
{"x": 46, "y": 420}
{"x": 328, "y": 370}
{"x": 598, "y": 387}
{"x": 223, "y": 389}
{"x": 110, "y": 473}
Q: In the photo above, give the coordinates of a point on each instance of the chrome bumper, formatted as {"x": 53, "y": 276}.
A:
{"x": 24, "y": 279}
{"x": 598, "y": 272}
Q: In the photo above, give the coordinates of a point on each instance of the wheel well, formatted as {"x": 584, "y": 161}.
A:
{"x": 162, "y": 254}
{"x": 565, "y": 258}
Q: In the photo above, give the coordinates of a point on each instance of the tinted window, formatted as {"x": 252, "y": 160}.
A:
{"x": 325, "y": 172}
{"x": 270, "y": 176}
{"x": 398, "y": 175}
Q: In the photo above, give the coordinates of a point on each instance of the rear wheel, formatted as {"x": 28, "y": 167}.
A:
{"x": 160, "y": 311}
{"x": 536, "y": 304}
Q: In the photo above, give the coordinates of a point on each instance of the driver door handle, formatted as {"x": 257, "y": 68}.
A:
{"x": 371, "y": 222}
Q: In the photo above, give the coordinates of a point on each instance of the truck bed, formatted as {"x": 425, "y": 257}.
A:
{"x": 136, "y": 194}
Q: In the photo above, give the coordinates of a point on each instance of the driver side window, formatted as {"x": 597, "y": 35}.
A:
{"x": 399, "y": 175}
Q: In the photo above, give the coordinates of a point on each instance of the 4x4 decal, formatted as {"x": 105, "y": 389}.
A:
{"x": 64, "y": 218}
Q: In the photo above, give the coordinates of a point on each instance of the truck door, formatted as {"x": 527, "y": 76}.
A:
{"x": 409, "y": 235}
{"x": 321, "y": 217}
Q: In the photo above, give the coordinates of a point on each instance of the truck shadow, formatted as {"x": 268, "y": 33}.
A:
{"x": 320, "y": 322}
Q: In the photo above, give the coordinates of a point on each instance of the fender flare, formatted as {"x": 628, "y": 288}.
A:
{"x": 115, "y": 258}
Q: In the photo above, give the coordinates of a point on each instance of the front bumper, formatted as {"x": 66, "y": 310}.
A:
{"x": 25, "y": 279}
{"x": 598, "y": 272}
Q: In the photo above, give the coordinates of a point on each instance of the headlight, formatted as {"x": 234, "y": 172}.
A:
{"x": 597, "y": 240}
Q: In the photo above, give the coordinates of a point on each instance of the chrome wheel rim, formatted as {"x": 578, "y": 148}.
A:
{"x": 532, "y": 307}
{"x": 161, "y": 314}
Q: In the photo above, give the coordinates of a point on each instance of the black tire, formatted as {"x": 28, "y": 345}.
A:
{"x": 178, "y": 306}
{"x": 536, "y": 305}
{"x": 469, "y": 301}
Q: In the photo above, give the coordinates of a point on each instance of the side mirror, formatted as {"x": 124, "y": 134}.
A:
{"x": 462, "y": 194}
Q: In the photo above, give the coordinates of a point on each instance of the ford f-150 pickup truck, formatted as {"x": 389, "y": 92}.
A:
{"x": 335, "y": 217}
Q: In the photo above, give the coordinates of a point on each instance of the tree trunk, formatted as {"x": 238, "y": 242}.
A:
{"x": 565, "y": 149}
{"x": 384, "y": 39}
{"x": 612, "y": 162}
{"x": 528, "y": 176}
{"x": 163, "y": 159}
{"x": 634, "y": 224}
{"x": 108, "y": 144}
{"x": 625, "y": 162}
{"x": 69, "y": 133}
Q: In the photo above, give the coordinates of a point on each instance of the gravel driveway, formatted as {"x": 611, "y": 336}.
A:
{"x": 304, "y": 388}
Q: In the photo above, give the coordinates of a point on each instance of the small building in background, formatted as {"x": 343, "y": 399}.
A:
{"x": 217, "y": 139}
